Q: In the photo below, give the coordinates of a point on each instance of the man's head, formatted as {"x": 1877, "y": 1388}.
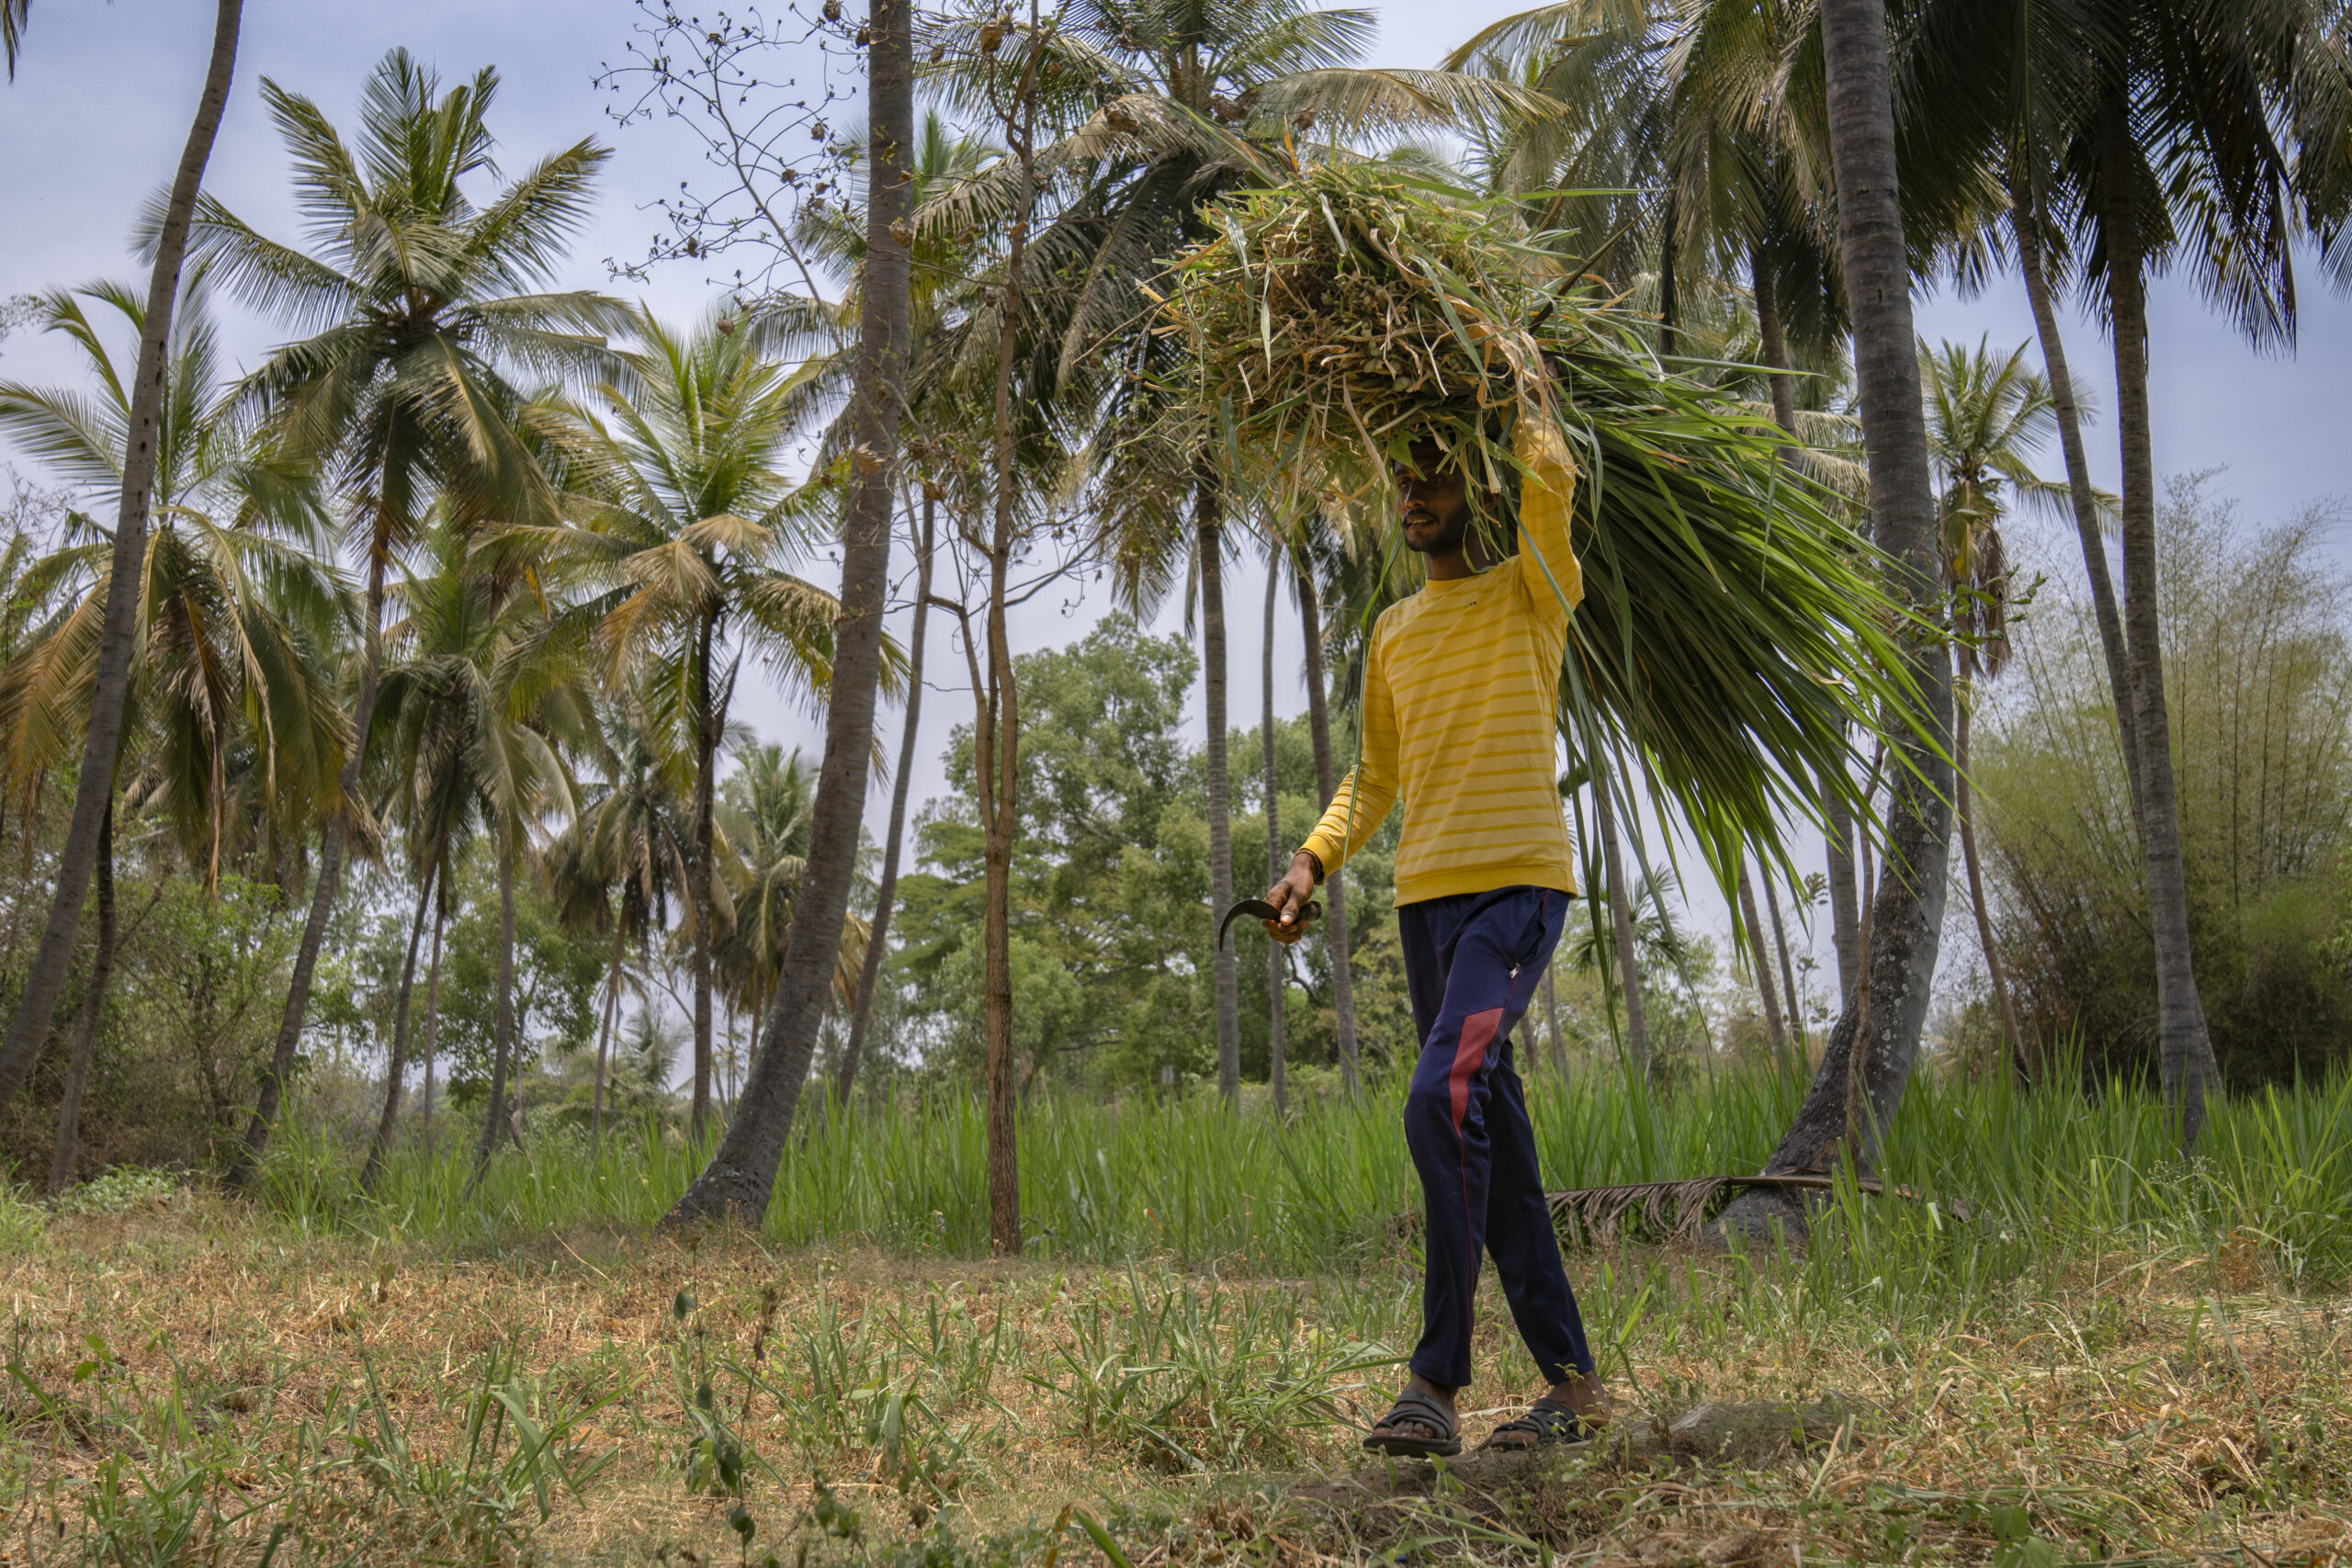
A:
{"x": 1435, "y": 502}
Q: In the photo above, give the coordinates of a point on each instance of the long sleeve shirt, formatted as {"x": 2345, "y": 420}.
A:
{"x": 1460, "y": 706}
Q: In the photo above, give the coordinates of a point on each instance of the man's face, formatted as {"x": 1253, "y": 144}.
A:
{"x": 1436, "y": 502}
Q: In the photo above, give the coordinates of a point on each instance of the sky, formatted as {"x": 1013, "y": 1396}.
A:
{"x": 96, "y": 117}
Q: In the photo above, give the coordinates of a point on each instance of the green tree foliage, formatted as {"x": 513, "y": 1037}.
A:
{"x": 557, "y": 975}
{"x": 1112, "y": 924}
{"x": 2260, "y": 672}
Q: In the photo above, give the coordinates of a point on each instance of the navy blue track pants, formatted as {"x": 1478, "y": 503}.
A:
{"x": 1472, "y": 962}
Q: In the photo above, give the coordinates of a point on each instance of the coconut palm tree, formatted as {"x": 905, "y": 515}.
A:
{"x": 685, "y": 521}
{"x": 622, "y": 859}
{"x": 1986, "y": 413}
{"x": 231, "y": 722}
{"x": 417, "y": 302}
{"x": 488, "y": 694}
{"x": 742, "y": 1173}
{"x": 764, "y": 813}
{"x": 1867, "y": 1061}
{"x": 2133, "y": 135}
{"x": 943, "y": 285}
{"x": 110, "y": 684}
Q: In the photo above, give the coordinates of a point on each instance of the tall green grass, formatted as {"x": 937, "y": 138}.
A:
{"x": 2038, "y": 1174}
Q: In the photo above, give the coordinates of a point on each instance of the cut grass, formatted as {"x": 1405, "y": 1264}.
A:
{"x": 200, "y": 1384}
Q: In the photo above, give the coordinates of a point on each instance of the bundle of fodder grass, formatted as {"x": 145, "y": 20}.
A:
{"x": 1733, "y": 627}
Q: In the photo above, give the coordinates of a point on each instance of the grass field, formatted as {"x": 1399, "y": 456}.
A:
{"x": 2115, "y": 1357}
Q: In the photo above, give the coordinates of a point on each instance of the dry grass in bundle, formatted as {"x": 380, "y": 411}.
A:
{"x": 1336, "y": 321}
{"x": 1734, "y": 631}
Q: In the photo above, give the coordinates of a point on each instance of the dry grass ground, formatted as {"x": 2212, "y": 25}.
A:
{"x": 189, "y": 1382}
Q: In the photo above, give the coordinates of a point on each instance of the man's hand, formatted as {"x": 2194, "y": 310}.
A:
{"x": 1291, "y": 895}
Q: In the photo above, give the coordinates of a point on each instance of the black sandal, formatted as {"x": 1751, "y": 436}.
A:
{"x": 1553, "y": 1425}
{"x": 1420, "y": 1408}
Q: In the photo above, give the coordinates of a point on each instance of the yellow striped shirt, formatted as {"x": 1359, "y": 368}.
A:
{"x": 1460, "y": 703}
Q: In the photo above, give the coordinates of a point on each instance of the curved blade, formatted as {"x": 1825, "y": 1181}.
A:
{"x": 1258, "y": 908}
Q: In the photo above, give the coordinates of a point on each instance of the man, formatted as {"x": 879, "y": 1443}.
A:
{"x": 1459, "y": 710}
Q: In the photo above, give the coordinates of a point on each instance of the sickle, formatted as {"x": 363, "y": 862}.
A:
{"x": 1264, "y": 911}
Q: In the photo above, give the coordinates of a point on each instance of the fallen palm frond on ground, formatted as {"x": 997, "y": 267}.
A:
{"x": 193, "y": 1383}
{"x": 1676, "y": 1210}
{"x": 1732, "y": 631}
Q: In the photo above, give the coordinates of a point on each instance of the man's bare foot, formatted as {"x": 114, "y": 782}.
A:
{"x": 1579, "y": 1394}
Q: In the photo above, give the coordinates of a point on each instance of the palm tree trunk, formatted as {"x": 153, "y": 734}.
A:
{"x": 1993, "y": 965}
{"x": 1845, "y": 912}
{"x": 373, "y": 1167}
{"x": 604, "y": 1032}
{"x": 67, "y": 1148}
{"x": 998, "y": 740}
{"x": 742, "y": 1173}
{"x": 1772, "y": 341}
{"x": 102, "y": 741}
{"x": 1788, "y": 970}
{"x": 432, "y": 1012}
{"x": 869, "y": 973}
{"x": 331, "y": 842}
{"x": 1620, "y": 916}
{"x": 1763, "y": 965}
{"x": 706, "y": 907}
{"x": 2185, "y": 1050}
{"x": 997, "y": 724}
{"x": 1277, "y": 972}
{"x": 1208, "y": 556}
{"x": 1670, "y": 304}
{"x": 502, "y": 1060}
{"x": 2024, "y": 224}
{"x": 1871, "y": 1053}
{"x": 1335, "y": 891}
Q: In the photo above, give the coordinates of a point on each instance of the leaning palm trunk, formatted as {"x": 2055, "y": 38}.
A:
{"x": 332, "y": 840}
{"x": 502, "y": 1060}
{"x": 433, "y": 1016}
{"x": 604, "y": 1033}
{"x": 1277, "y": 964}
{"x": 886, "y": 894}
{"x": 1620, "y": 916}
{"x": 1788, "y": 970}
{"x": 1845, "y": 904}
{"x": 2185, "y": 1049}
{"x": 110, "y": 686}
{"x": 1208, "y": 559}
{"x": 1772, "y": 1023}
{"x": 742, "y": 1173}
{"x": 63, "y": 1155}
{"x": 1838, "y": 821}
{"x": 1868, "y": 1059}
{"x": 706, "y": 904}
{"x": 2022, "y": 223}
{"x": 373, "y": 1168}
{"x": 1335, "y": 892}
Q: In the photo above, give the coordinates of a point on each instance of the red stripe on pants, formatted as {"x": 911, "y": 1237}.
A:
{"x": 1477, "y": 1033}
